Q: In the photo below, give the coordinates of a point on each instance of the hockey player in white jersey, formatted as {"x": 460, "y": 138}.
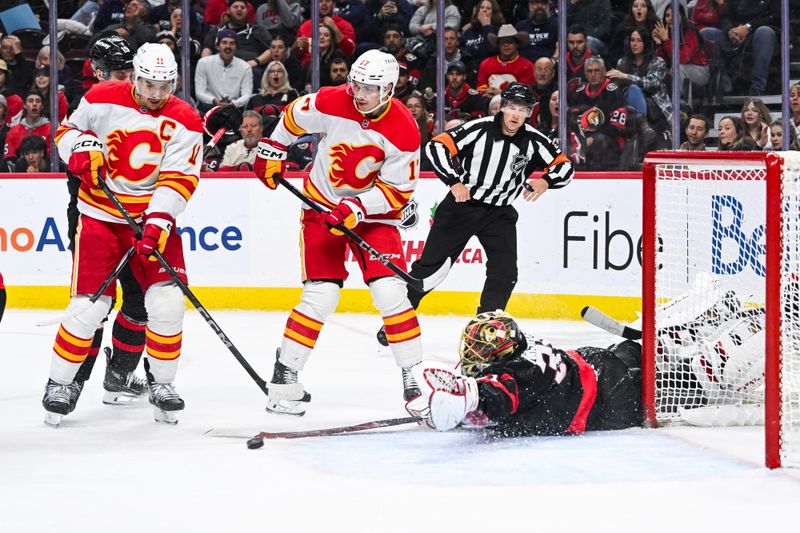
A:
{"x": 365, "y": 171}
{"x": 146, "y": 144}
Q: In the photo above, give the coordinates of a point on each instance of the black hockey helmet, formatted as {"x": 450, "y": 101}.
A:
{"x": 519, "y": 93}
{"x": 112, "y": 53}
{"x": 488, "y": 338}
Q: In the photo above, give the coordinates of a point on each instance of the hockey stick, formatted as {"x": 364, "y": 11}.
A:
{"x": 213, "y": 141}
{"x": 97, "y": 294}
{"x": 258, "y": 440}
{"x": 592, "y": 315}
{"x": 422, "y": 285}
{"x": 185, "y": 289}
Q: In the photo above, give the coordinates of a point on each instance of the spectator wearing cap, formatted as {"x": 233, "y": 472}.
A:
{"x": 459, "y": 96}
{"x": 41, "y": 84}
{"x": 31, "y": 155}
{"x": 451, "y": 53}
{"x": 32, "y": 123}
{"x": 252, "y": 41}
{"x": 404, "y": 86}
{"x": 344, "y": 35}
{"x": 508, "y": 66}
{"x": 217, "y": 10}
{"x": 223, "y": 78}
{"x": 395, "y": 12}
{"x": 280, "y": 17}
{"x": 394, "y": 42}
{"x": 542, "y": 29}
{"x": 135, "y": 26}
{"x": 20, "y": 70}
{"x": 486, "y": 18}
{"x": 424, "y": 23}
{"x": 11, "y": 100}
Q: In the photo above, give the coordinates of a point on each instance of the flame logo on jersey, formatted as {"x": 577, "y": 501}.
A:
{"x": 354, "y": 166}
{"x": 133, "y": 155}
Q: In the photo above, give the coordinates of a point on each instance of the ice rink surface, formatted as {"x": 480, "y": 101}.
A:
{"x": 114, "y": 469}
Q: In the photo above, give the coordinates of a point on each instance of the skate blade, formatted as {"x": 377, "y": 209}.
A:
{"x": 165, "y": 417}
{"x": 120, "y": 398}
{"x": 52, "y": 420}
{"x": 287, "y": 407}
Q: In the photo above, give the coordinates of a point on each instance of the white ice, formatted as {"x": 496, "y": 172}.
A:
{"x": 114, "y": 469}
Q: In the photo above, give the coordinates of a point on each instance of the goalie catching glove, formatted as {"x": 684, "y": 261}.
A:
{"x": 270, "y": 162}
{"x": 88, "y": 159}
{"x": 157, "y": 227}
{"x": 349, "y": 212}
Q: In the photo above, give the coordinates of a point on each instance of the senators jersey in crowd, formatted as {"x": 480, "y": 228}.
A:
{"x": 548, "y": 391}
{"x": 601, "y": 110}
{"x": 374, "y": 159}
{"x": 153, "y": 157}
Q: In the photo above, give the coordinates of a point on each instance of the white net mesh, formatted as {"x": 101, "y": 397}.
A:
{"x": 710, "y": 294}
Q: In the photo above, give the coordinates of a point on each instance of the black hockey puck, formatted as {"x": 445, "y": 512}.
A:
{"x": 255, "y": 443}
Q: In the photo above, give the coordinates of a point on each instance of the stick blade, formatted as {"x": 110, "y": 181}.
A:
{"x": 437, "y": 277}
{"x": 594, "y": 316}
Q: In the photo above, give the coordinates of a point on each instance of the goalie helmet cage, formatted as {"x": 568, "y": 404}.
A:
{"x": 714, "y": 225}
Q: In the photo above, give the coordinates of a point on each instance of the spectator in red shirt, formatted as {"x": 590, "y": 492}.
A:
{"x": 343, "y": 33}
{"x": 32, "y": 123}
{"x": 215, "y": 9}
{"x": 498, "y": 71}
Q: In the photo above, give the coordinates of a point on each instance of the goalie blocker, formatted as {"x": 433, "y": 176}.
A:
{"x": 517, "y": 384}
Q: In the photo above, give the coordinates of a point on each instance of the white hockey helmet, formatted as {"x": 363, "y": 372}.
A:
{"x": 374, "y": 67}
{"x": 156, "y": 62}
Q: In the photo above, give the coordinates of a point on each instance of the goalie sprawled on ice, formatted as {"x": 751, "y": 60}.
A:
{"x": 519, "y": 384}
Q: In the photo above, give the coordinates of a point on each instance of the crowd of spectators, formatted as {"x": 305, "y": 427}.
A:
{"x": 256, "y": 56}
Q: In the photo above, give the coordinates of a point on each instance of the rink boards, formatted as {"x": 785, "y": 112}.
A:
{"x": 579, "y": 245}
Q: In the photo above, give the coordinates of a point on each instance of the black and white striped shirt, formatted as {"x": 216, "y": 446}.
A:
{"x": 492, "y": 165}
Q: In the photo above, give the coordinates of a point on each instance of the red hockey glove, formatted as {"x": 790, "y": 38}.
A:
{"x": 88, "y": 160}
{"x": 349, "y": 212}
{"x": 270, "y": 162}
{"x": 157, "y": 227}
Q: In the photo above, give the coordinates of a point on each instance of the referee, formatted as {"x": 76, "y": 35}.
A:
{"x": 487, "y": 163}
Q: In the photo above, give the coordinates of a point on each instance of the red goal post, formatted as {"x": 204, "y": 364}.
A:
{"x": 721, "y": 247}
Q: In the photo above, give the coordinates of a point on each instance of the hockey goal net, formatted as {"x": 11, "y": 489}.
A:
{"x": 720, "y": 293}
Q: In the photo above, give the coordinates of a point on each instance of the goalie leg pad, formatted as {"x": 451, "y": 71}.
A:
{"x": 305, "y": 322}
{"x": 163, "y": 335}
{"x": 74, "y": 338}
{"x": 390, "y": 296}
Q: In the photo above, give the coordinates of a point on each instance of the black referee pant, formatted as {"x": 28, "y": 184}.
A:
{"x": 453, "y": 225}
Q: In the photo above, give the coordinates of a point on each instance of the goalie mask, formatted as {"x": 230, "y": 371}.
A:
{"x": 488, "y": 338}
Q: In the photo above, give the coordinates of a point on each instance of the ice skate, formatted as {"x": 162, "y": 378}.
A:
{"x": 166, "y": 402}
{"x": 381, "y": 336}
{"x": 56, "y": 402}
{"x": 75, "y": 388}
{"x": 286, "y": 395}
{"x": 410, "y": 387}
{"x": 121, "y": 388}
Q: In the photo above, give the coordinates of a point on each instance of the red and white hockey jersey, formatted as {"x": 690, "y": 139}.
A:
{"x": 153, "y": 157}
{"x": 374, "y": 159}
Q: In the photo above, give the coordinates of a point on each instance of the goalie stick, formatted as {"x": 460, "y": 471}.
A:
{"x": 422, "y": 285}
{"x": 592, "y": 315}
{"x": 185, "y": 289}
